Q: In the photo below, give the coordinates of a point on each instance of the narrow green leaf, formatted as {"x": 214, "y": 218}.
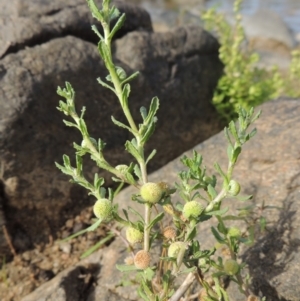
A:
{"x": 158, "y": 218}
{"x": 70, "y": 124}
{"x": 244, "y": 198}
{"x": 129, "y": 78}
{"x": 133, "y": 151}
{"x": 125, "y": 268}
{"x": 136, "y": 213}
{"x": 101, "y": 82}
{"x": 143, "y": 111}
{"x": 95, "y": 12}
{"x": 192, "y": 234}
{"x": 217, "y": 236}
{"x": 220, "y": 171}
{"x": 137, "y": 172}
{"x": 118, "y": 25}
{"x": 149, "y": 131}
{"x": 229, "y": 152}
{"x": 122, "y": 125}
{"x": 218, "y": 212}
{"x": 125, "y": 94}
{"x": 236, "y": 153}
{"x": 97, "y": 246}
{"x": 212, "y": 192}
{"x": 152, "y": 154}
{"x": 152, "y": 110}
{"x": 94, "y": 226}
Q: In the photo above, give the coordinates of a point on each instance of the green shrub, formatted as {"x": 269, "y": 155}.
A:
{"x": 243, "y": 82}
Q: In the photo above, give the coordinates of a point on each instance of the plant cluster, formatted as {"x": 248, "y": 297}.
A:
{"x": 173, "y": 226}
{"x": 243, "y": 82}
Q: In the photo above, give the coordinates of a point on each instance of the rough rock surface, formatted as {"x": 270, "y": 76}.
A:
{"x": 180, "y": 67}
{"x": 269, "y": 169}
{"x": 24, "y": 24}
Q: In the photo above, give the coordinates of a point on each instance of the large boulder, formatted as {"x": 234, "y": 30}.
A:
{"x": 24, "y": 23}
{"x": 269, "y": 170}
{"x": 181, "y": 67}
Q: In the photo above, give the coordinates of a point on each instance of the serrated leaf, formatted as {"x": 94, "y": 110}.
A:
{"x": 95, "y": 11}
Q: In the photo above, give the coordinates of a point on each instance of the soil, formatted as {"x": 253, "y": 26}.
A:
{"x": 30, "y": 269}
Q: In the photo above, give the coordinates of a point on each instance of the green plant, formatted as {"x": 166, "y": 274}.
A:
{"x": 243, "y": 82}
{"x": 202, "y": 198}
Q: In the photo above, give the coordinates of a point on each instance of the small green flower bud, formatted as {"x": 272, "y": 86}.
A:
{"x": 174, "y": 248}
{"x": 83, "y": 143}
{"x": 234, "y": 232}
{"x": 103, "y": 209}
{"x": 134, "y": 236}
{"x": 169, "y": 232}
{"x": 151, "y": 192}
{"x": 192, "y": 209}
{"x": 142, "y": 259}
{"x": 234, "y": 188}
{"x": 231, "y": 267}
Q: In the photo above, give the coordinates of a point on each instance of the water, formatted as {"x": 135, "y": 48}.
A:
{"x": 166, "y": 10}
{"x": 289, "y": 10}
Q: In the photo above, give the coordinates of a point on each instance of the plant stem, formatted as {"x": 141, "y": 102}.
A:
{"x": 183, "y": 287}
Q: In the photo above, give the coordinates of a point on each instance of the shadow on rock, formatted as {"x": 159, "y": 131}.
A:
{"x": 271, "y": 255}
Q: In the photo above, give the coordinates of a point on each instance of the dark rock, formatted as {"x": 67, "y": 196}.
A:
{"x": 26, "y": 24}
{"x": 269, "y": 169}
{"x": 181, "y": 67}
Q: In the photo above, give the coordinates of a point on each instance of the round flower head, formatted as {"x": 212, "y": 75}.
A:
{"x": 174, "y": 248}
{"x": 234, "y": 232}
{"x": 169, "y": 232}
{"x": 234, "y": 188}
{"x": 192, "y": 209}
{"x": 142, "y": 259}
{"x": 134, "y": 236}
{"x": 231, "y": 267}
{"x": 151, "y": 192}
{"x": 103, "y": 209}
